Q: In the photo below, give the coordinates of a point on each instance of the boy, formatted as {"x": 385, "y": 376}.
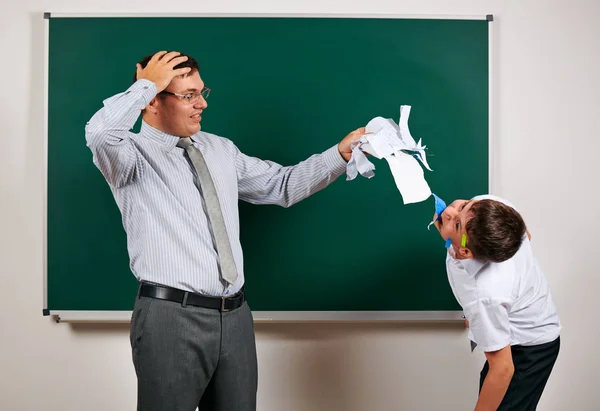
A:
{"x": 505, "y": 298}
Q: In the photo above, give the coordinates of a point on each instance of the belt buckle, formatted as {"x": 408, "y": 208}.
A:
{"x": 223, "y": 309}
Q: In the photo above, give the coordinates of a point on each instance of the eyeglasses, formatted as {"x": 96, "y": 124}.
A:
{"x": 191, "y": 98}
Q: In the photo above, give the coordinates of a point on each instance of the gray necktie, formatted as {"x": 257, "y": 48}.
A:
{"x": 215, "y": 216}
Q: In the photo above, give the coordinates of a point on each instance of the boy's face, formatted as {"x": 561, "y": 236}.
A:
{"x": 452, "y": 225}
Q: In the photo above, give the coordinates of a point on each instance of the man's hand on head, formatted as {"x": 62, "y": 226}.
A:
{"x": 159, "y": 69}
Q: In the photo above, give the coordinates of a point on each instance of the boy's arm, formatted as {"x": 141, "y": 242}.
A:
{"x": 490, "y": 326}
{"x": 497, "y": 379}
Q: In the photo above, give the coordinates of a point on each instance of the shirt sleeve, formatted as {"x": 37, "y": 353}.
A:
{"x": 108, "y": 134}
{"x": 266, "y": 182}
{"x": 489, "y": 323}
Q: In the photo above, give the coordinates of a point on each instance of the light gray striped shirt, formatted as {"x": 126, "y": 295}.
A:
{"x": 156, "y": 189}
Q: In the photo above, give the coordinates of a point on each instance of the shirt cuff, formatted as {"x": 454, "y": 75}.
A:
{"x": 145, "y": 88}
{"x": 334, "y": 160}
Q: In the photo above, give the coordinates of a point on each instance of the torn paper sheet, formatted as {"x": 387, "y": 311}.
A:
{"x": 386, "y": 139}
{"x": 359, "y": 164}
{"x": 409, "y": 177}
{"x": 408, "y": 138}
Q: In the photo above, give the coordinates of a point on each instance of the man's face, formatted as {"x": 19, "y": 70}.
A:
{"x": 453, "y": 222}
{"x": 176, "y": 115}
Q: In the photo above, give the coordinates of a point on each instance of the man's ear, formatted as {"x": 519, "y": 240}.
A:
{"x": 465, "y": 254}
{"x": 152, "y": 106}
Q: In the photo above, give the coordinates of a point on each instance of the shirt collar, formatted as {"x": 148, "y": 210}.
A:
{"x": 166, "y": 140}
{"x": 471, "y": 265}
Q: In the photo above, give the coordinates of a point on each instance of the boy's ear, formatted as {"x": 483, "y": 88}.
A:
{"x": 464, "y": 253}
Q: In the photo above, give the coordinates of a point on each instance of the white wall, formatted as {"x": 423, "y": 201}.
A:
{"x": 547, "y": 63}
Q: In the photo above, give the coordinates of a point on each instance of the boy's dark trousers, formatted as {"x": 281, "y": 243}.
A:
{"x": 533, "y": 365}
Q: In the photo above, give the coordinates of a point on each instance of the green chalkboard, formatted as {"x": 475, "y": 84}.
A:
{"x": 282, "y": 89}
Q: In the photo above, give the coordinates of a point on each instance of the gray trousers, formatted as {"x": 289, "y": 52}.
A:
{"x": 188, "y": 357}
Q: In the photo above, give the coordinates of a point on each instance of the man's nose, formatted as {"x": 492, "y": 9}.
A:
{"x": 201, "y": 103}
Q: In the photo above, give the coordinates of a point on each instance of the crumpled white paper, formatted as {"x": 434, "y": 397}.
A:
{"x": 388, "y": 140}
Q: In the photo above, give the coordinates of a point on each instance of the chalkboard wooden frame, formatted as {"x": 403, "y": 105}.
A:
{"x": 124, "y": 316}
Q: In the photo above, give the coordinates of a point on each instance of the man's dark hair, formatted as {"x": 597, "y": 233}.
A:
{"x": 190, "y": 62}
{"x": 495, "y": 232}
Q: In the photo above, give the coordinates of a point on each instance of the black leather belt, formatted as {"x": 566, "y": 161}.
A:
{"x": 162, "y": 292}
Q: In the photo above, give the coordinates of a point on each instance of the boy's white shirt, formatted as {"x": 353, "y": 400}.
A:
{"x": 506, "y": 303}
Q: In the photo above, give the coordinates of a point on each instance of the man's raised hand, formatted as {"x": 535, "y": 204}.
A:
{"x": 160, "y": 70}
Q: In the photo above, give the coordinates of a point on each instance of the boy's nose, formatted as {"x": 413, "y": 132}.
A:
{"x": 449, "y": 213}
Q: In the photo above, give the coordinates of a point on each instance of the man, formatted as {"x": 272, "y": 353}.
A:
{"x": 177, "y": 187}
{"x": 505, "y": 298}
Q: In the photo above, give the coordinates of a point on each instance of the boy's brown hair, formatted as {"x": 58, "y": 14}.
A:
{"x": 495, "y": 232}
